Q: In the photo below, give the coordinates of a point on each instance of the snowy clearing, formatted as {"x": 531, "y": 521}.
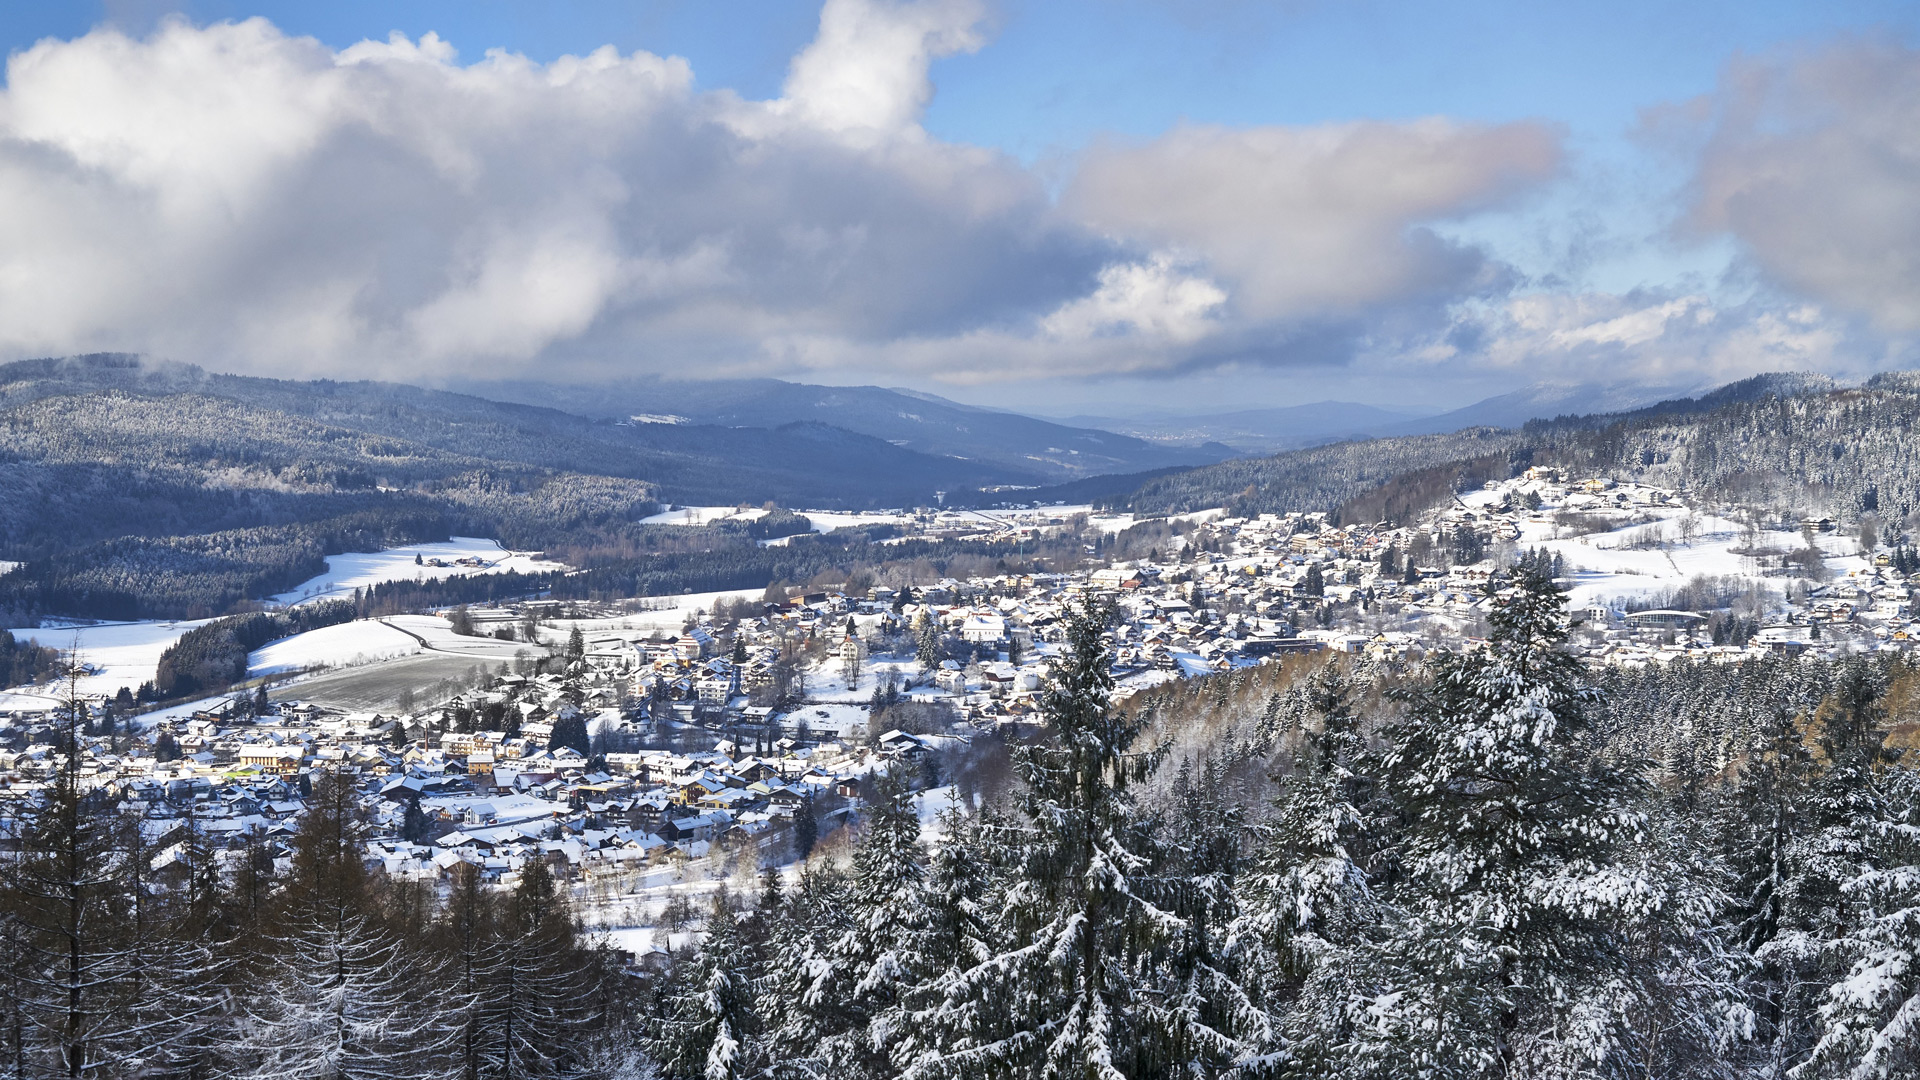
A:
{"x": 119, "y": 654}
{"x": 702, "y": 515}
{"x": 347, "y": 644}
{"x": 359, "y": 570}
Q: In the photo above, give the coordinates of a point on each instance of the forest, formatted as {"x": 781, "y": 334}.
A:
{"x": 23, "y": 662}
{"x": 208, "y": 659}
{"x": 1793, "y": 444}
{"x": 1491, "y": 866}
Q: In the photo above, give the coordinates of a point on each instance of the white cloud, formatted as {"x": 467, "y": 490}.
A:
{"x": 1643, "y": 337}
{"x": 252, "y": 201}
{"x": 865, "y": 75}
{"x": 1814, "y": 165}
{"x": 1155, "y": 299}
{"x": 1317, "y": 222}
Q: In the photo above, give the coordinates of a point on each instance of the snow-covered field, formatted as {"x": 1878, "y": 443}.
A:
{"x": 702, "y": 515}
{"x": 346, "y": 573}
{"x": 125, "y": 654}
{"x": 348, "y": 644}
{"x": 121, "y": 654}
{"x": 1643, "y": 559}
{"x": 664, "y": 613}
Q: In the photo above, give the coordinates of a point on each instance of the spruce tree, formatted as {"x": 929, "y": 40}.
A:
{"x": 927, "y": 642}
{"x": 1513, "y": 907}
{"x": 1308, "y": 906}
{"x": 846, "y": 1016}
{"x": 1066, "y": 995}
{"x": 712, "y": 1028}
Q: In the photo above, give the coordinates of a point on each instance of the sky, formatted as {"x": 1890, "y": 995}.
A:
{"x": 1114, "y": 207}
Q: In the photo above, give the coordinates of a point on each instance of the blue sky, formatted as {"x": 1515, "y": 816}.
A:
{"x": 1082, "y": 95}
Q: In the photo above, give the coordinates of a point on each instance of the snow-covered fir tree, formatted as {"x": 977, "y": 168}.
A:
{"x": 712, "y": 1029}
{"x": 1512, "y": 908}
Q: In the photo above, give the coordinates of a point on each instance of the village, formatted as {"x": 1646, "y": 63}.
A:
{"x": 634, "y": 759}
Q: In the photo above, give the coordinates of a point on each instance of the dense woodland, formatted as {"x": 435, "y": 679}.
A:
{"x": 1790, "y": 443}
{"x": 1487, "y": 867}
{"x": 26, "y": 661}
{"x": 208, "y": 659}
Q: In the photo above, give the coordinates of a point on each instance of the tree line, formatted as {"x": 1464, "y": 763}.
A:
{"x": 208, "y": 659}
{"x": 131, "y": 955}
{"x": 23, "y": 662}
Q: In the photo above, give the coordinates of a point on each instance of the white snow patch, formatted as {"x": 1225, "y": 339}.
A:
{"x": 118, "y": 654}
{"x": 360, "y": 642}
{"x": 702, "y": 515}
{"x": 359, "y": 570}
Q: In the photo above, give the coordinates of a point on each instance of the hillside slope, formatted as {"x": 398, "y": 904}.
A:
{"x": 919, "y": 422}
{"x": 1790, "y": 442}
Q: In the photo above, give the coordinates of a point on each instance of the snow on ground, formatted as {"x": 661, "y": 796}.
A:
{"x": 664, "y": 613}
{"x": 839, "y": 720}
{"x": 829, "y": 683}
{"x": 702, "y": 515}
{"x": 1641, "y": 560}
{"x": 121, "y": 654}
{"x": 929, "y": 805}
{"x": 9, "y": 567}
{"x": 358, "y": 570}
{"x": 1608, "y": 566}
{"x": 372, "y": 641}
{"x": 361, "y": 642}
{"x": 827, "y": 520}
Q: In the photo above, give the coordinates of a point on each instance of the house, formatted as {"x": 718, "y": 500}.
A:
{"x": 273, "y": 760}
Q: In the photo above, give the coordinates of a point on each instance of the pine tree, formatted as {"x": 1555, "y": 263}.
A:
{"x": 1838, "y": 872}
{"x": 1315, "y": 583}
{"x": 1065, "y": 996}
{"x": 927, "y": 639}
{"x": 960, "y": 893}
{"x": 1869, "y": 1020}
{"x": 98, "y": 982}
{"x": 531, "y": 987}
{"x": 1506, "y": 959}
{"x": 1309, "y": 906}
{"x": 712, "y": 1030}
{"x": 845, "y": 1018}
{"x": 339, "y": 995}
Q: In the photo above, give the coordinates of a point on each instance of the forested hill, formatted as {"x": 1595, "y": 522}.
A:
{"x": 1788, "y": 441}
{"x": 139, "y": 489}
{"x": 922, "y": 422}
{"x": 801, "y": 463}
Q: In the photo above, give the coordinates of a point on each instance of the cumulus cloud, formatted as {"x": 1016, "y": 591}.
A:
{"x": 1317, "y": 222}
{"x": 234, "y": 196}
{"x": 1814, "y": 165}
{"x": 865, "y": 75}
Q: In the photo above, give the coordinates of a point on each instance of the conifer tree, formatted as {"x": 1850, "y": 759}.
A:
{"x": 927, "y": 642}
{"x": 339, "y": 995}
{"x": 1505, "y": 958}
{"x": 846, "y": 1010}
{"x": 1065, "y": 995}
{"x": 712, "y": 1029}
{"x": 1869, "y": 1018}
{"x": 531, "y": 986}
{"x": 1308, "y": 906}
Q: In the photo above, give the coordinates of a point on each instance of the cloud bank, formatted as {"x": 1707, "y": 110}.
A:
{"x": 251, "y": 201}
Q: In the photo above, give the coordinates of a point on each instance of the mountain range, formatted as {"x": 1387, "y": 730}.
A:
{"x": 1292, "y": 427}
{"x": 921, "y": 423}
